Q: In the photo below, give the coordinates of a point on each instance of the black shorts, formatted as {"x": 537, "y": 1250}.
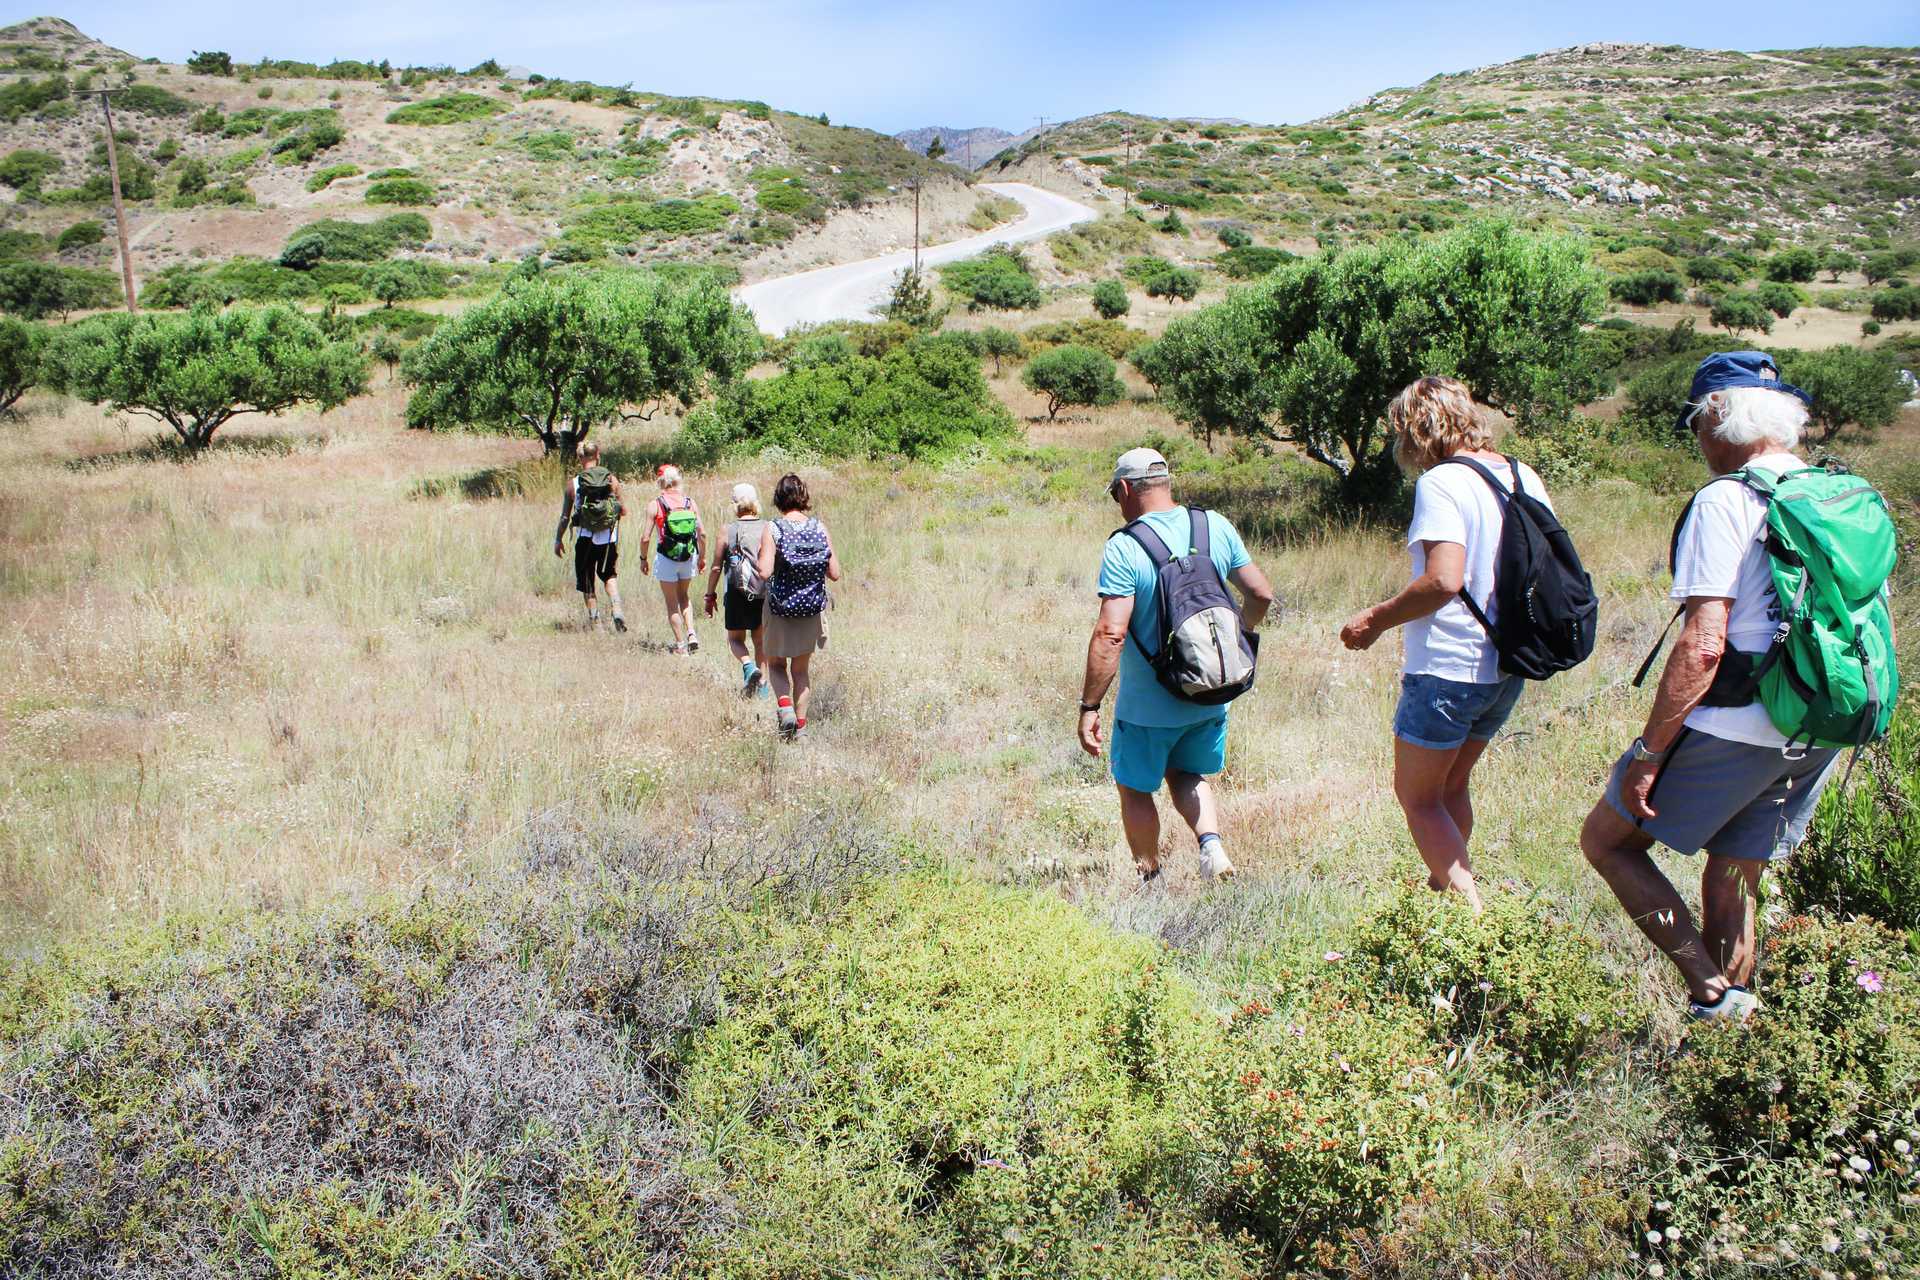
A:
{"x": 591, "y": 560}
{"x": 742, "y": 614}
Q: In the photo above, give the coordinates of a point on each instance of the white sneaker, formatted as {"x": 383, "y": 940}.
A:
{"x": 1214, "y": 862}
{"x": 693, "y": 643}
{"x": 1736, "y": 1004}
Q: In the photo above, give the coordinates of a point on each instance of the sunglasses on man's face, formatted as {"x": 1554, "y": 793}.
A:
{"x": 1115, "y": 489}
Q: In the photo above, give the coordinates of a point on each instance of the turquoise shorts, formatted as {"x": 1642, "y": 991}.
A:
{"x": 1141, "y": 756}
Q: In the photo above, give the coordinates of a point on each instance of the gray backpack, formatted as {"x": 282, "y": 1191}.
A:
{"x": 743, "y": 572}
{"x": 1202, "y": 654}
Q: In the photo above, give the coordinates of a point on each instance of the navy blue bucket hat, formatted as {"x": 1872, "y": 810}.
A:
{"x": 1725, "y": 369}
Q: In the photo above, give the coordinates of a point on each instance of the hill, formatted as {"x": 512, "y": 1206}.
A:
{"x": 968, "y": 148}
{"x": 1685, "y": 143}
{"x": 229, "y": 158}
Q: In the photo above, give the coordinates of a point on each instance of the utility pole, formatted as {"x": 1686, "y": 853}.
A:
{"x": 1126, "y": 196}
{"x": 916, "y": 227}
{"x": 119, "y": 209}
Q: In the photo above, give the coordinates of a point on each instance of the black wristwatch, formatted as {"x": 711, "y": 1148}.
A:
{"x": 1088, "y": 706}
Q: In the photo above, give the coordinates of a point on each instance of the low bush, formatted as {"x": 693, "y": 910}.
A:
{"x": 1001, "y": 344}
{"x": 1644, "y": 288}
{"x": 81, "y": 235}
{"x": 1715, "y": 270}
{"x": 401, "y": 191}
{"x": 998, "y": 279}
{"x": 1181, "y": 284}
{"x": 1110, "y": 336}
{"x": 1235, "y": 238}
{"x": 1897, "y": 304}
{"x": 366, "y": 241}
{"x": 624, "y": 222}
{"x": 1249, "y": 262}
{"x": 924, "y": 398}
{"x": 1073, "y": 375}
{"x": 330, "y": 175}
{"x": 152, "y": 100}
{"x": 1110, "y": 300}
{"x": 454, "y": 108}
{"x": 1862, "y": 854}
{"x": 25, "y": 169}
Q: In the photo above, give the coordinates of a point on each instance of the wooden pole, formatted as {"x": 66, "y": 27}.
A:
{"x": 119, "y": 209}
{"x": 916, "y": 227}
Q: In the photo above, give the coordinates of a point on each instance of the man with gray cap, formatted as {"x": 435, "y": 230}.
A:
{"x": 1711, "y": 770}
{"x": 1158, "y": 735}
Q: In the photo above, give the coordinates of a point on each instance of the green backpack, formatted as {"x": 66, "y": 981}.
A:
{"x": 1829, "y": 678}
{"x": 679, "y": 529}
{"x": 595, "y": 509}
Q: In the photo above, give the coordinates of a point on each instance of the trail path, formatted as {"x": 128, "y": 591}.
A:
{"x": 852, "y": 290}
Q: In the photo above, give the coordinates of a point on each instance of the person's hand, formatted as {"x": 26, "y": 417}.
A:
{"x": 1090, "y": 732}
{"x": 556, "y": 549}
{"x": 644, "y": 568}
{"x": 1636, "y": 787}
{"x": 711, "y": 597}
{"x": 1360, "y": 631}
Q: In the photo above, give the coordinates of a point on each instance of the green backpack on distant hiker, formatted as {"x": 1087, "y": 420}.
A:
{"x": 1828, "y": 679}
{"x": 595, "y": 508}
{"x": 679, "y": 529}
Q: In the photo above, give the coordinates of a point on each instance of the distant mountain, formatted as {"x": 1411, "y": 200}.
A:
{"x": 967, "y": 148}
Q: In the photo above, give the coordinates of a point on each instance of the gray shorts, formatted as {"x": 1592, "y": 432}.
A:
{"x": 1729, "y": 798}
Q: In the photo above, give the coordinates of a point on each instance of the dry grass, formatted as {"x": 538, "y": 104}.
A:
{"x": 279, "y": 673}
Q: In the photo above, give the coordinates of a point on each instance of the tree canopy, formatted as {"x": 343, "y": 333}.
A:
{"x": 1313, "y": 353}
{"x": 23, "y": 347}
{"x": 1073, "y": 375}
{"x": 199, "y": 370}
{"x": 1850, "y": 388}
{"x": 558, "y": 354}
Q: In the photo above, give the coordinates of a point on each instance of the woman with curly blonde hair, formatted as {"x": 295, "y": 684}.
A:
{"x": 1453, "y": 696}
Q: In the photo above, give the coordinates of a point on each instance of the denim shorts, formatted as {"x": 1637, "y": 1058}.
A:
{"x": 1142, "y": 755}
{"x": 1442, "y": 714}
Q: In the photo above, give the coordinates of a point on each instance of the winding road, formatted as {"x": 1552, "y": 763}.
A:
{"x": 852, "y": 290}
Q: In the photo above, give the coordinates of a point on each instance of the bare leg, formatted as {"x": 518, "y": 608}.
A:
{"x": 613, "y": 597}
{"x": 1140, "y": 818}
{"x": 1458, "y": 803}
{"x": 592, "y": 607}
{"x": 675, "y": 621}
{"x": 778, "y": 677}
{"x": 683, "y": 602}
{"x": 1728, "y": 889}
{"x": 802, "y": 684}
{"x": 759, "y": 647}
{"x": 1193, "y": 797}
{"x": 1618, "y": 851}
{"x": 1420, "y": 784}
{"x": 737, "y": 645}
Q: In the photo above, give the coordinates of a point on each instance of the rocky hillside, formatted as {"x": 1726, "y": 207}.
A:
{"x": 1804, "y": 145}
{"x": 226, "y": 158}
{"x": 968, "y": 148}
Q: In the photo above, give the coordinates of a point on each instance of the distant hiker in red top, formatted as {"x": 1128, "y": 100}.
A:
{"x": 675, "y": 521}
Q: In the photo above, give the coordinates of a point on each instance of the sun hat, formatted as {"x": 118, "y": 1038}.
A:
{"x": 745, "y": 495}
{"x": 1140, "y": 464}
{"x": 1724, "y": 370}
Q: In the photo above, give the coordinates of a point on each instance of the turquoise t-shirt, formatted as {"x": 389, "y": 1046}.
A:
{"x": 1125, "y": 570}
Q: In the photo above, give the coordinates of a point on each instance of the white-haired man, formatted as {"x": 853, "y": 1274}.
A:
{"x": 1710, "y": 771}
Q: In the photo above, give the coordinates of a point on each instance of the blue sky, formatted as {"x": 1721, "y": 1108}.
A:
{"x": 999, "y": 62}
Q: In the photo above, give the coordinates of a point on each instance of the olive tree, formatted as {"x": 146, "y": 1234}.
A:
{"x": 1073, "y": 375}
{"x": 196, "y": 371}
{"x": 558, "y": 354}
{"x": 1313, "y": 353}
{"x": 1110, "y": 299}
{"x": 1001, "y": 344}
{"x": 23, "y": 348}
{"x": 1740, "y": 311}
{"x": 1850, "y": 388}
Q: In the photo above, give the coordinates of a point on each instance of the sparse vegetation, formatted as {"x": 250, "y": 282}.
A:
{"x": 454, "y": 108}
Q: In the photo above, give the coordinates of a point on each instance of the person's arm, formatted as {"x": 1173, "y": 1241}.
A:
{"x": 646, "y": 537}
{"x": 566, "y": 517}
{"x": 1689, "y": 674}
{"x": 700, "y": 537}
{"x": 1103, "y": 663}
{"x": 1446, "y": 571}
{"x": 713, "y": 577}
{"x": 619, "y": 500}
{"x": 764, "y": 561}
{"x": 1256, "y": 594}
{"x": 833, "y": 556}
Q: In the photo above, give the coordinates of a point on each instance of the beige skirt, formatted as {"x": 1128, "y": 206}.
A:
{"x": 794, "y": 637}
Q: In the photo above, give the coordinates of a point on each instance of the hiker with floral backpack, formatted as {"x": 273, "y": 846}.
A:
{"x": 796, "y": 561}
{"x": 674, "y": 519}
{"x": 1785, "y": 659}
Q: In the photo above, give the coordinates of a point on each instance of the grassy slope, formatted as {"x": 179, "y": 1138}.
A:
{"x": 1805, "y": 144}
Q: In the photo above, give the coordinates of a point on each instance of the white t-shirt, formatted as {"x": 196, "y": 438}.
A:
{"x": 1453, "y": 503}
{"x": 1722, "y": 553}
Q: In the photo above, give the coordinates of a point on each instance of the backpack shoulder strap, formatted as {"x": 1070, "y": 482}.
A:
{"x": 1493, "y": 481}
{"x": 1150, "y": 542}
{"x": 1200, "y": 539}
{"x": 1513, "y": 469}
{"x": 1673, "y": 564}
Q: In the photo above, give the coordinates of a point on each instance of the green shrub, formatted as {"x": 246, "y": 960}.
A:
{"x": 81, "y": 235}
{"x": 211, "y": 63}
{"x": 309, "y": 138}
{"x": 1235, "y": 238}
{"x": 997, "y": 279}
{"x": 1779, "y": 298}
{"x": 1644, "y": 288}
{"x": 23, "y": 347}
{"x": 1518, "y": 984}
{"x": 1249, "y": 262}
{"x": 25, "y": 97}
{"x": 36, "y": 290}
{"x": 454, "y": 108}
{"x": 1897, "y": 304}
{"x": 1180, "y": 284}
{"x": 25, "y": 169}
{"x": 152, "y": 100}
{"x": 1715, "y": 270}
{"x": 1851, "y": 388}
{"x": 401, "y": 191}
{"x": 1741, "y": 311}
{"x": 1110, "y": 300}
{"x": 1171, "y": 224}
{"x": 1073, "y": 375}
{"x": 1110, "y": 336}
{"x": 366, "y": 241}
{"x": 1001, "y": 344}
{"x": 923, "y": 399}
{"x": 378, "y": 174}
{"x": 252, "y": 120}
{"x": 18, "y": 245}
{"x": 626, "y": 221}
{"x": 330, "y": 175}
{"x": 552, "y": 145}
{"x": 1793, "y": 266}
{"x": 1862, "y": 854}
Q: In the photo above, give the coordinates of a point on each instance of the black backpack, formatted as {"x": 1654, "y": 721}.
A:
{"x": 1548, "y": 611}
{"x": 1204, "y": 655}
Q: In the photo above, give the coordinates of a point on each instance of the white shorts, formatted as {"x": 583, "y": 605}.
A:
{"x": 673, "y": 570}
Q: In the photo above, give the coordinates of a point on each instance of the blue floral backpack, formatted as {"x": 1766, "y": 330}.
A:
{"x": 799, "y": 585}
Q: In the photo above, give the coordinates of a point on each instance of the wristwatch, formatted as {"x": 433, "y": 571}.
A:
{"x": 1642, "y": 753}
{"x": 1088, "y": 706}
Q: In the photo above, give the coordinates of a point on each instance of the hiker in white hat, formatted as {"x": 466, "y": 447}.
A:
{"x": 742, "y": 604}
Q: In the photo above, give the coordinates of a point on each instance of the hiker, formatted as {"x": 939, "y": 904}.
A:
{"x": 796, "y": 560}
{"x": 1178, "y": 672}
{"x": 743, "y": 606}
{"x": 1754, "y": 702}
{"x": 1454, "y": 694}
{"x": 682, "y": 553}
{"x": 591, "y": 505}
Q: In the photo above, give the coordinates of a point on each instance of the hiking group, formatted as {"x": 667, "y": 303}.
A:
{"x": 1785, "y": 657}
{"x": 775, "y": 573}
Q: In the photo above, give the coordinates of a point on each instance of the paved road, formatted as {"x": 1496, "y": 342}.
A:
{"x": 852, "y": 290}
